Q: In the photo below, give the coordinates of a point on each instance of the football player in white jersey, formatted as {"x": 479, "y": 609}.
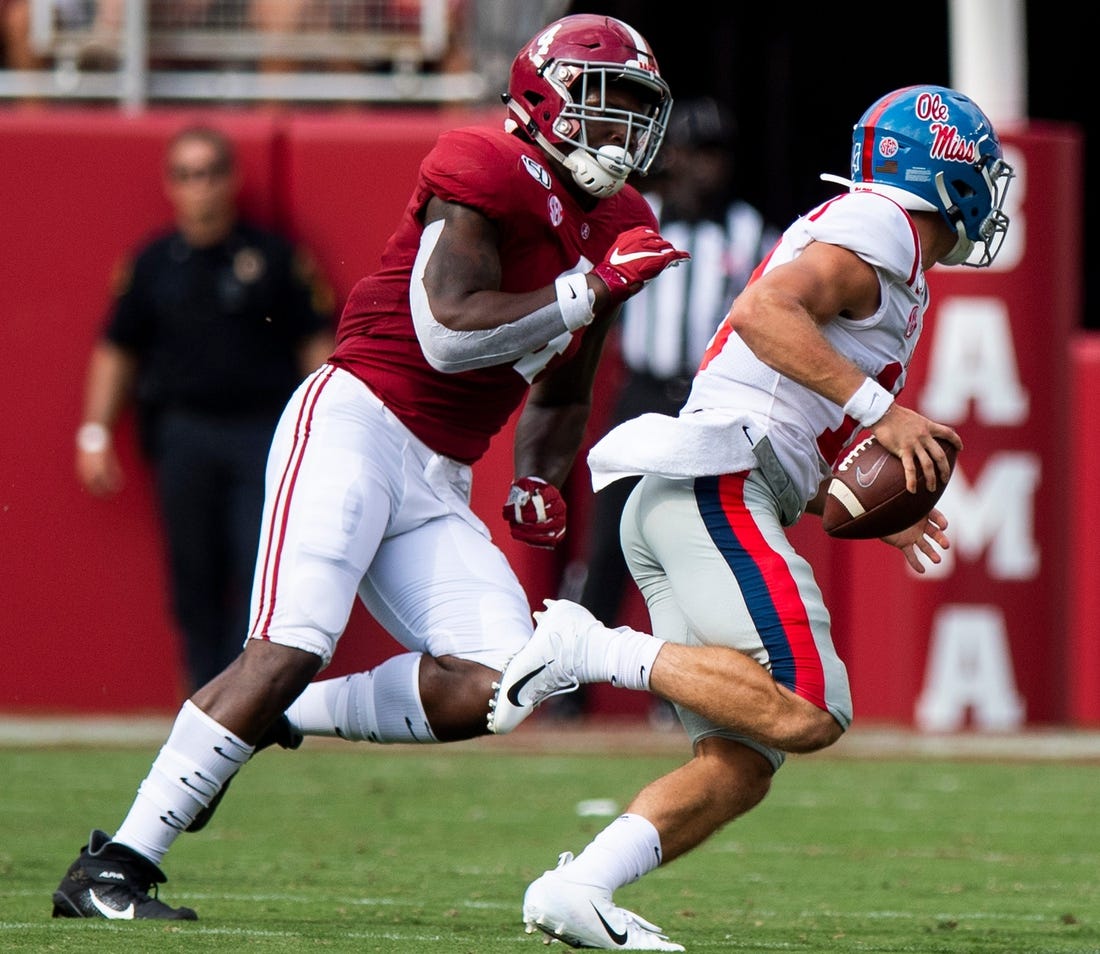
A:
{"x": 815, "y": 349}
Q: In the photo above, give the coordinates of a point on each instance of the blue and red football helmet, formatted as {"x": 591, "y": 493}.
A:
{"x": 557, "y": 93}
{"x": 930, "y": 148}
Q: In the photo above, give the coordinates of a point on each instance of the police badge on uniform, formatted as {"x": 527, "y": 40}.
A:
{"x": 248, "y": 265}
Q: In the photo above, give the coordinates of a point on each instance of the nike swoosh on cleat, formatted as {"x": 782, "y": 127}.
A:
{"x": 618, "y": 938}
{"x": 617, "y": 258}
{"x": 126, "y": 914}
{"x": 514, "y": 689}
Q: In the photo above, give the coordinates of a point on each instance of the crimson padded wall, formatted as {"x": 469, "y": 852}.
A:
{"x": 83, "y": 606}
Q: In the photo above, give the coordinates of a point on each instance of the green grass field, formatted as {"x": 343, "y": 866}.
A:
{"x": 341, "y": 848}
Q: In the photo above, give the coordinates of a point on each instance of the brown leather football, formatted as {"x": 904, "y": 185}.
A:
{"x": 867, "y": 498}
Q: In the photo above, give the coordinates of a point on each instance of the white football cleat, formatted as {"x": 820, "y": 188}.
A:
{"x": 583, "y": 916}
{"x": 545, "y": 667}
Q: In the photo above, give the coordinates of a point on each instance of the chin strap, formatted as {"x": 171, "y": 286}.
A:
{"x": 961, "y": 252}
{"x": 588, "y": 172}
{"x": 964, "y": 245}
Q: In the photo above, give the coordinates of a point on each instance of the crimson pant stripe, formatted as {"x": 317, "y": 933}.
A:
{"x": 280, "y": 512}
{"x": 770, "y": 592}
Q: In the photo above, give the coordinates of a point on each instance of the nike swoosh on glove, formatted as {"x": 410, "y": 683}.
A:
{"x": 638, "y": 255}
{"x": 535, "y": 512}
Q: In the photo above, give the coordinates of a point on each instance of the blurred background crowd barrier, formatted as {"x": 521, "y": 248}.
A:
{"x": 137, "y": 52}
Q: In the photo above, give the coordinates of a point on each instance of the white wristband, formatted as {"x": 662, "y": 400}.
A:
{"x": 869, "y": 403}
{"x": 575, "y": 300}
{"x": 93, "y": 438}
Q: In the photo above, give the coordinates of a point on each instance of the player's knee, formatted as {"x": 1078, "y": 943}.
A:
{"x": 811, "y": 730}
{"x": 455, "y": 694}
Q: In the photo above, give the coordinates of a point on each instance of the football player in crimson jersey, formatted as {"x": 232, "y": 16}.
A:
{"x": 500, "y": 282}
{"x": 814, "y": 350}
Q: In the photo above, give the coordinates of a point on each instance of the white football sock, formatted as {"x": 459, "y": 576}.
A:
{"x": 197, "y": 759}
{"x": 382, "y": 705}
{"x": 620, "y": 854}
{"x": 314, "y": 711}
{"x": 622, "y": 656}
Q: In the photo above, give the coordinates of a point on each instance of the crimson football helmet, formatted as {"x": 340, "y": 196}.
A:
{"x": 557, "y": 93}
{"x": 930, "y": 148}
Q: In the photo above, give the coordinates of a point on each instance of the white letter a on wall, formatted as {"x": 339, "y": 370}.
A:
{"x": 969, "y": 667}
{"x": 973, "y": 358}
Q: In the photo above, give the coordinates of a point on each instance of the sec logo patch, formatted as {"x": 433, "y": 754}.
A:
{"x": 553, "y": 206}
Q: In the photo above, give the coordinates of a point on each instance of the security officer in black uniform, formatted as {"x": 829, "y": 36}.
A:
{"x": 213, "y": 325}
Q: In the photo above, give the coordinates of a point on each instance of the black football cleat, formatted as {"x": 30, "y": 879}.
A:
{"x": 113, "y": 881}
{"x": 282, "y": 734}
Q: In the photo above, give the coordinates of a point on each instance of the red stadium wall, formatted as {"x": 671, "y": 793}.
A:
{"x": 83, "y": 608}
{"x": 1083, "y": 517}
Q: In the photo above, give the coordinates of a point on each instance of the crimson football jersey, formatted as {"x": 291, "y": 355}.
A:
{"x": 544, "y": 232}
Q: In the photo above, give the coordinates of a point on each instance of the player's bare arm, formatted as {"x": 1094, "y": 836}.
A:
{"x": 780, "y": 317}
{"x": 462, "y": 318}
{"x": 551, "y": 427}
{"x": 462, "y": 277}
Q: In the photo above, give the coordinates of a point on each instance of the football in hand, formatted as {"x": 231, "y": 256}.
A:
{"x": 867, "y": 498}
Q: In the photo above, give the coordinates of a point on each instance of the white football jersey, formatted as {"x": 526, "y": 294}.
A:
{"x": 736, "y": 399}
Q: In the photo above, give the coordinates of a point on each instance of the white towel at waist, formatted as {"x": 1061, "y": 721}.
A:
{"x": 692, "y": 445}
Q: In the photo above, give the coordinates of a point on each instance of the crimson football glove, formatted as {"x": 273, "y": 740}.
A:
{"x": 638, "y": 255}
{"x": 535, "y": 512}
